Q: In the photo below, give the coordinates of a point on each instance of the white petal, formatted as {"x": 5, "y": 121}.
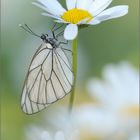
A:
{"x": 53, "y": 6}
{"x": 70, "y": 32}
{"x": 71, "y": 4}
{"x": 40, "y": 6}
{"x": 84, "y": 21}
{"x": 94, "y": 22}
{"x": 98, "y": 6}
{"x": 113, "y": 12}
{"x": 59, "y": 136}
{"x": 60, "y": 21}
{"x": 50, "y": 15}
{"x": 45, "y": 136}
{"x": 84, "y": 4}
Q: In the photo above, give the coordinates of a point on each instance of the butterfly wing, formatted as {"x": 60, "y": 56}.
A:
{"x": 49, "y": 79}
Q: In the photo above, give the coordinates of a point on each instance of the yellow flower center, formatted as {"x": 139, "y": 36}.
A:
{"x": 131, "y": 111}
{"x": 74, "y": 16}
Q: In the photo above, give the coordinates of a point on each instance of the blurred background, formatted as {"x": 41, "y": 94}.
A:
{"x": 105, "y": 52}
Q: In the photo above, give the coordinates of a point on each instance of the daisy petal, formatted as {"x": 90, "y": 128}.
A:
{"x": 70, "y": 32}
{"x": 40, "y": 6}
{"x": 50, "y": 15}
{"x": 94, "y": 22}
{"x": 113, "y": 12}
{"x": 59, "y": 136}
{"x": 84, "y": 21}
{"x": 84, "y": 4}
{"x": 45, "y": 136}
{"x": 98, "y": 6}
{"x": 60, "y": 21}
{"x": 70, "y": 4}
{"x": 53, "y": 6}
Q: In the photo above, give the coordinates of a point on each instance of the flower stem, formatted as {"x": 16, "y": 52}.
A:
{"x": 74, "y": 65}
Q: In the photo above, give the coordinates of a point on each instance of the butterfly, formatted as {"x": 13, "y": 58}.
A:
{"x": 50, "y": 75}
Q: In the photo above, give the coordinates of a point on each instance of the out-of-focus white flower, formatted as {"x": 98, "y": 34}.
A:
{"x": 135, "y": 136}
{"x": 79, "y": 12}
{"x": 115, "y": 117}
{"x": 118, "y": 93}
{"x": 91, "y": 122}
{"x": 119, "y": 89}
{"x": 36, "y": 133}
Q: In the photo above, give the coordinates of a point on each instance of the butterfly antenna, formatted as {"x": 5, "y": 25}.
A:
{"x": 28, "y": 29}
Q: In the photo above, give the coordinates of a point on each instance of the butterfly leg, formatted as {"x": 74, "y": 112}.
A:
{"x": 62, "y": 43}
{"x": 60, "y": 34}
{"x": 55, "y": 29}
{"x": 52, "y": 30}
{"x": 66, "y": 49}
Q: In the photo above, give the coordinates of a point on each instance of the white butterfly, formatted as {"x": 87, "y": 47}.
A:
{"x": 49, "y": 78}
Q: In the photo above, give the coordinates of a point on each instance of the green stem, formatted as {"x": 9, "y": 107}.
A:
{"x": 74, "y": 65}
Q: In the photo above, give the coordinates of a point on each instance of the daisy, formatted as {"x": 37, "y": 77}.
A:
{"x": 37, "y": 133}
{"x": 118, "y": 92}
{"x": 34, "y": 133}
{"x": 120, "y": 84}
{"x": 80, "y": 12}
{"x": 115, "y": 117}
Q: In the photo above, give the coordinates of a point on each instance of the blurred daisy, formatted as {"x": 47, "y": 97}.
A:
{"x": 116, "y": 116}
{"x": 119, "y": 89}
{"x": 90, "y": 12}
{"x": 92, "y": 122}
{"x": 118, "y": 93}
{"x": 135, "y": 136}
{"x": 35, "y": 133}
{"x": 87, "y": 122}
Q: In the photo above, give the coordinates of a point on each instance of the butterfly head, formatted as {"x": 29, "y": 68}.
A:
{"x": 44, "y": 37}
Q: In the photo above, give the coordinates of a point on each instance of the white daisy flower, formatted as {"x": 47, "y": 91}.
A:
{"x": 119, "y": 87}
{"x": 118, "y": 92}
{"x": 135, "y": 136}
{"x": 90, "y": 12}
{"x": 115, "y": 117}
{"x": 36, "y": 133}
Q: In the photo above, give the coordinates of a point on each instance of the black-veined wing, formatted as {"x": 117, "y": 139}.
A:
{"x": 49, "y": 78}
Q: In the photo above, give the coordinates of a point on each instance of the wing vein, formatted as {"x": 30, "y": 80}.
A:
{"x": 53, "y": 89}
{"x": 63, "y": 70}
{"x": 59, "y": 81}
{"x": 58, "y": 56}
